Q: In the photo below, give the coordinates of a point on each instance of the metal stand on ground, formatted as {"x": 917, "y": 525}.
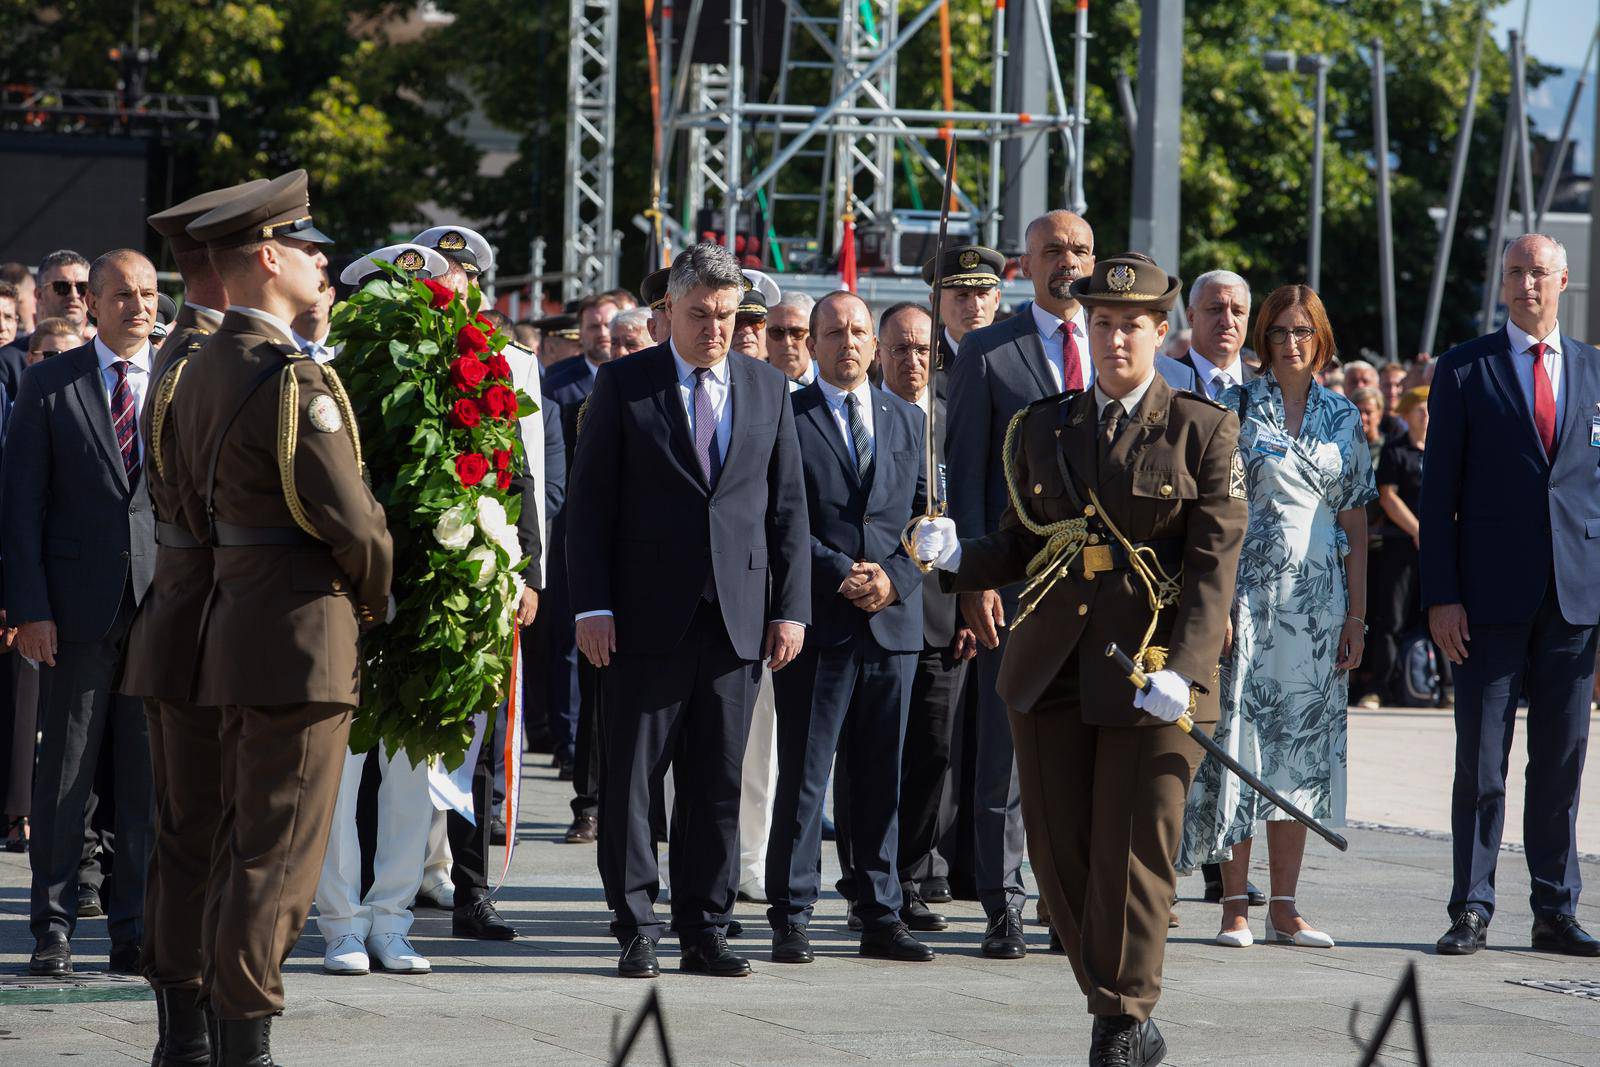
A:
{"x": 1407, "y": 992}
{"x": 651, "y": 1010}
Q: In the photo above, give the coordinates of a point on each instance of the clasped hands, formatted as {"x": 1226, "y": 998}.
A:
{"x": 867, "y": 586}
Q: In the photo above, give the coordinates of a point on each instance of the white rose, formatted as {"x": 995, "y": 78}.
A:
{"x": 453, "y": 530}
{"x": 488, "y": 563}
{"x": 491, "y": 514}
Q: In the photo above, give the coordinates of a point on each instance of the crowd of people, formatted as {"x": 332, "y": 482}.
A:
{"x": 739, "y": 597}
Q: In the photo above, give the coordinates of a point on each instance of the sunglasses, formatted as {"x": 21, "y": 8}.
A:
{"x": 780, "y": 332}
{"x": 46, "y": 353}
{"x": 64, "y": 289}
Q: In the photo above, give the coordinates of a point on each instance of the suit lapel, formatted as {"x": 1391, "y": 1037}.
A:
{"x": 822, "y": 419}
{"x": 1577, "y": 370}
{"x": 741, "y": 394}
{"x": 1502, "y": 368}
{"x": 97, "y": 409}
{"x": 1026, "y": 338}
{"x": 664, "y": 377}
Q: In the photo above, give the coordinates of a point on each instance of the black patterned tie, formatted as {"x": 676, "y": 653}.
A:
{"x": 858, "y": 436}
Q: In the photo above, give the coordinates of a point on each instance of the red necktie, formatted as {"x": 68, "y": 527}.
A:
{"x": 1071, "y": 369}
{"x": 1544, "y": 400}
{"x": 125, "y": 422}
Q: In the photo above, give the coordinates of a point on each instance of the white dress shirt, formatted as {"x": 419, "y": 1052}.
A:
{"x": 719, "y": 386}
{"x": 1055, "y": 345}
{"x": 1209, "y": 372}
{"x": 138, "y": 372}
{"x": 841, "y": 417}
{"x": 1521, "y": 341}
{"x": 1130, "y": 403}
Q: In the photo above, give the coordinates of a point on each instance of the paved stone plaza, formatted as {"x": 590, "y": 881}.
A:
{"x": 551, "y": 997}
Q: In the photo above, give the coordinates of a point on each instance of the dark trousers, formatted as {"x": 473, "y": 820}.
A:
{"x": 469, "y": 841}
{"x": 80, "y": 710}
{"x": 589, "y": 741}
{"x": 925, "y": 763}
{"x": 562, "y": 699}
{"x": 851, "y": 699}
{"x": 281, "y": 766}
{"x": 1553, "y": 661}
{"x": 186, "y": 760}
{"x": 1104, "y": 812}
{"x": 997, "y": 797}
{"x": 690, "y": 708}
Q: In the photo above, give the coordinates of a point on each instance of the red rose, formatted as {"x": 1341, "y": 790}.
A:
{"x": 471, "y": 339}
{"x": 503, "y": 479}
{"x": 499, "y": 402}
{"x": 498, "y": 367}
{"x": 484, "y": 321}
{"x": 471, "y": 468}
{"x": 502, "y": 459}
{"x": 467, "y": 373}
{"x": 441, "y": 295}
{"x": 465, "y": 414}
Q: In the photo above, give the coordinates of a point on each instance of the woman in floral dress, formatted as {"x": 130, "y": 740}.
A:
{"x": 1297, "y": 626}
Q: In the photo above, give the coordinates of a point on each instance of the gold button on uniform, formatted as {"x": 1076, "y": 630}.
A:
{"x": 1089, "y": 511}
{"x": 337, "y": 585}
{"x": 1094, "y": 539}
{"x": 1166, "y": 490}
{"x": 1083, "y": 609}
{"x": 1037, "y": 488}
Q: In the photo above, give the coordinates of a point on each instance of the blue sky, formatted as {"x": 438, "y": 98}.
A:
{"x": 1558, "y": 35}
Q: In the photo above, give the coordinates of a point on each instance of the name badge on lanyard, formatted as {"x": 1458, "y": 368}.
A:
{"x": 1270, "y": 441}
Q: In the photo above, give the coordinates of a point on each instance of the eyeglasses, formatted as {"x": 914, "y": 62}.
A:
{"x": 798, "y": 333}
{"x": 1279, "y": 334}
{"x": 46, "y": 353}
{"x": 908, "y": 351}
{"x": 1533, "y": 274}
{"x": 63, "y": 289}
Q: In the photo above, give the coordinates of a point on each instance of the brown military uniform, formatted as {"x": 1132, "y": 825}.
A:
{"x": 301, "y": 560}
{"x": 1103, "y": 785}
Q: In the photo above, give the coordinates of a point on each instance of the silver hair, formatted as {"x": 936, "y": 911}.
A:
{"x": 704, "y": 264}
{"x": 632, "y": 319}
{"x": 1358, "y": 364}
{"x": 802, "y": 301}
{"x": 1561, "y": 249}
{"x": 1364, "y": 394}
{"x": 1225, "y": 278}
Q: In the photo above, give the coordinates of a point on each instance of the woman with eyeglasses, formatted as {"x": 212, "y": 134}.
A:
{"x": 1298, "y": 624}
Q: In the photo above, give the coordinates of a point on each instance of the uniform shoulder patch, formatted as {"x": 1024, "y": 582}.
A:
{"x": 1237, "y": 487}
{"x": 323, "y": 413}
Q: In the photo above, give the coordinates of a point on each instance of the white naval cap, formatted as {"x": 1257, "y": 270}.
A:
{"x": 762, "y": 283}
{"x": 465, "y": 246}
{"x": 415, "y": 259}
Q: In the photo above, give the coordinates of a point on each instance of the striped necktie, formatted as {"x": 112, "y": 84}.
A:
{"x": 125, "y": 421}
{"x": 858, "y": 437}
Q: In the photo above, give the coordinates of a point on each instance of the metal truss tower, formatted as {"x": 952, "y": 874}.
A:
{"x": 588, "y": 260}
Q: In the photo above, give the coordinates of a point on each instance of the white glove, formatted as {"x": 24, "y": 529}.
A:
{"x": 935, "y": 542}
{"x": 388, "y": 616}
{"x": 1166, "y": 699}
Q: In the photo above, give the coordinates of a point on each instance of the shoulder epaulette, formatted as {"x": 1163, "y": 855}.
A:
{"x": 1191, "y": 395}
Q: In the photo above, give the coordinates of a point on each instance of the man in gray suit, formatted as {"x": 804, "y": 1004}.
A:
{"x": 1219, "y": 320}
{"x": 999, "y": 370}
{"x": 78, "y": 542}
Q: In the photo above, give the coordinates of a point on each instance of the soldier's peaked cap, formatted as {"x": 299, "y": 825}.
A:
{"x": 966, "y": 267}
{"x": 1128, "y": 279}
{"x": 653, "y": 290}
{"x": 280, "y": 208}
{"x": 174, "y": 221}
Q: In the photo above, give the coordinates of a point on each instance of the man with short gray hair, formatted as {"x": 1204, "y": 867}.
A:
{"x": 788, "y": 326}
{"x": 1219, "y": 320}
{"x": 630, "y": 332}
{"x": 689, "y": 563}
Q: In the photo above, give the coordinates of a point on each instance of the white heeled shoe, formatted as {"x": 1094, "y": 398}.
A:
{"x": 1303, "y": 938}
{"x": 393, "y": 953}
{"x": 1238, "y": 938}
{"x": 346, "y": 956}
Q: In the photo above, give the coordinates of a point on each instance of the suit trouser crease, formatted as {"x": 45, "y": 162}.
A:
{"x": 186, "y": 755}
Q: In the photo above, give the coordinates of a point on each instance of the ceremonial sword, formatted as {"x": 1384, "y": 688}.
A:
{"x": 934, "y": 505}
{"x": 1141, "y": 681}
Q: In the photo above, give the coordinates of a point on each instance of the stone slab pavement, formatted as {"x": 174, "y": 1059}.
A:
{"x": 551, "y": 997}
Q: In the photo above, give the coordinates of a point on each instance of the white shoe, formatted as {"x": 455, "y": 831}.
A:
{"x": 1303, "y": 938}
{"x": 393, "y": 953}
{"x": 752, "y": 891}
{"x": 436, "y": 891}
{"x": 346, "y": 956}
{"x": 1238, "y": 938}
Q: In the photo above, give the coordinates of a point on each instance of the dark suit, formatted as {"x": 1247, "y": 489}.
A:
{"x": 571, "y": 686}
{"x": 1514, "y": 537}
{"x": 79, "y": 550}
{"x": 1244, "y": 370}
{"x": 693, "y": 574}
{"x": 850, "y": 687}
{"x": 998, "y": 371}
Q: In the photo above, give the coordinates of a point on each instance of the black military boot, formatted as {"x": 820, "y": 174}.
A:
{"x": 181, "y": 1031}
{"x": 245, "y": 1043}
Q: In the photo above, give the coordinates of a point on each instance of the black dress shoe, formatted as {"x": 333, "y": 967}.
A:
{"x": 852, "y": 921}
{"x": 1561, "y": 933}
{"x": 792, "y": 946}
{"x": 182, "y": 1038}
{"x": 639, "y": 959}
{"x": 735, "y": 928}
{"x": 125, "y": 960}
{"x": 1466, "y": 935}
{"x": 566, "y": 771}
{"x": 917, "y": 916}
{"x": 480, "y": 921}
{"x": 52, "y": 956}
{"x": 712, "y": 956}
{"x": 582, "y": 831}
{"x": 497, "y": 831}
{"x": 1003, "y": 939}
{"x": 936, "y": 890}
{"x": 245, "y": 1043}
{"x": 894, "y": 943}
{"x": 89, "y": 903}
{"x": 1055, "y": 942}
{"x": 1122, "y": 1041}
{"x": 1214, "y": 892}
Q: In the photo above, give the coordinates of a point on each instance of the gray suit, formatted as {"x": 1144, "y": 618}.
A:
{"x": 998, "y": 371}
{"x": 78, "y": 548}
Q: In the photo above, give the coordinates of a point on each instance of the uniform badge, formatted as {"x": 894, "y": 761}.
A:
{"x": 968, "y": 260}
{"x": 1236, "y": 481}
{"x": 1119, "y": 279}
{"x": 323, "y": 412}
{"x": 410, "y": 260}
{"x": 451, "y": 241}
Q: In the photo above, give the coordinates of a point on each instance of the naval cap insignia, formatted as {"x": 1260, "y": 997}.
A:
{"x": 1119, "y": 279}
{"x": 410, "y": 259}
{"x": 451, "y": 241}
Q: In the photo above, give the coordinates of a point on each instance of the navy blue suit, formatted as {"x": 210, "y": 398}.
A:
{"x": 1514, "y": 537}
{"x": 564, "y": 394}
{"x": 693, "y": 573}
{"x": 998, "y": 371}
{"x": 850, "y": 688}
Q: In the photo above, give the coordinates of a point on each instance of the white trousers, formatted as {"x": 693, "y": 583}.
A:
{"x": 759, "y": 781}
{"x": 404, "y": 814}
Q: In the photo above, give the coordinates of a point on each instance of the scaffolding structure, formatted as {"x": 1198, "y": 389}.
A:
{"x": 589, "y": 258}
